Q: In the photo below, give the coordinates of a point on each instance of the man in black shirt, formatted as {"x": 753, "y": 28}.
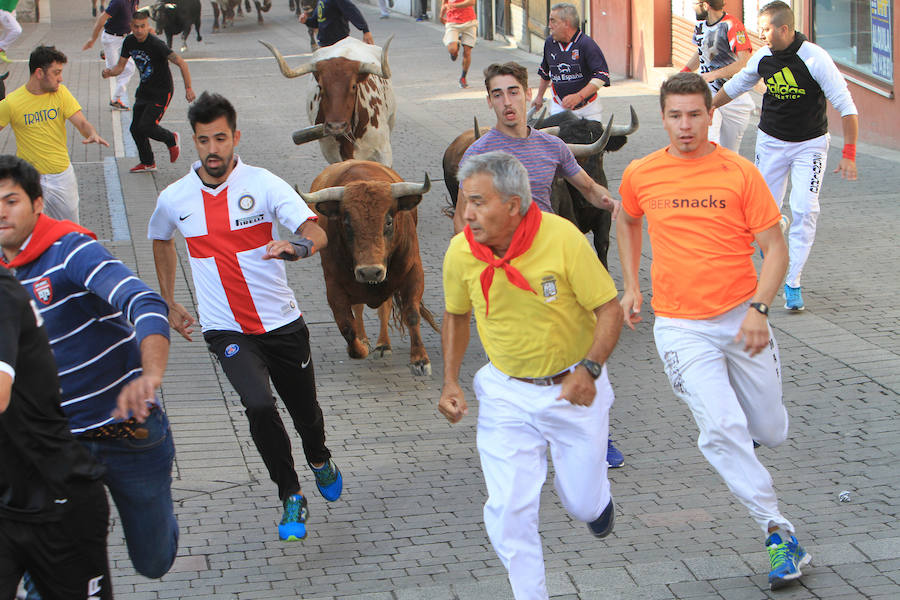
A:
{"x": 53, "y": 509}
{"x": 333, "y": 18}
{"x": 151, "y": 55}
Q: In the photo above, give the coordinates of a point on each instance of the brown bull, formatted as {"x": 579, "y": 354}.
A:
{"x": 372, "y": 257}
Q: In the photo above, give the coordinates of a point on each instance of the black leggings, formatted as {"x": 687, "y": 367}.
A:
{"x": 284, "y": 355}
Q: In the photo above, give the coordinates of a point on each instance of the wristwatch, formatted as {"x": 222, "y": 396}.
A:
{"x": 594, "y": 368}
{"x": 763, "y": 309}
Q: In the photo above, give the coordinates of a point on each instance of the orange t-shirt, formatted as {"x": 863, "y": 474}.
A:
{"x": 702, "y": 215}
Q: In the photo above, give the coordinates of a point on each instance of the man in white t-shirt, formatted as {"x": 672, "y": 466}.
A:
{"x": 227, "y": 212}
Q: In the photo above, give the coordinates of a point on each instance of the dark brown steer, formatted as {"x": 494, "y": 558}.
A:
{"x": 369, "y": 214}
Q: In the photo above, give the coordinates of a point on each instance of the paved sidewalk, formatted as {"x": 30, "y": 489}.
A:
{"x": 409, "y": 524}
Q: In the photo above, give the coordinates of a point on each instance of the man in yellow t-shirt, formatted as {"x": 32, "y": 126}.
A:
{"x": 705, "y": 206}
{"x": 38, "y": 112}
{"x": 548, "y": 318}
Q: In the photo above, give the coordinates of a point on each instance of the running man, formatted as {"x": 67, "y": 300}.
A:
{"x": 115, "y": 23}
{"x": 723, "y": 49}
{"x": 333, "y": 18}
{"x": 793, "y": 136}
{"x": 554, "y": 320}
{"x": 460, "y": 29}
{"x": 705, "y": 206}
{"x": 110, "y": 337}
{"x": 11, "y": 28}
{"x": 573, "y": 67}
{"x": 42, "y": 142}
{"x": 152, "y": 56}
{"x": 227, "y": 210}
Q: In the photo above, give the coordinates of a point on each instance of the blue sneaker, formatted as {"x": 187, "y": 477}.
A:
{"x": 293, "y": 523}
{"x": 614, "y": 458}
{"x": 785, "y": 558}
{"x": 329, "y": 480}
{"x": 793, "y": 298}
{"x": 603, "y": 525}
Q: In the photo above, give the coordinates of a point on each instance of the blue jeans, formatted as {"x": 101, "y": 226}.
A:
{"x": 139, "y": 478}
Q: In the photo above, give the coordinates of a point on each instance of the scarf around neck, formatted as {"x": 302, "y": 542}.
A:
{"x": 521, "y": 242}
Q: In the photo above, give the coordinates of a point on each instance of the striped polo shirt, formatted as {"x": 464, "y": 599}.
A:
{"x": 543, "y": 156}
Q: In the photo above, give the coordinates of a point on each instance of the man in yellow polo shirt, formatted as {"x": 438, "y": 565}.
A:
{"x": 548, "y": 318}
{"x": 38, "y": 112}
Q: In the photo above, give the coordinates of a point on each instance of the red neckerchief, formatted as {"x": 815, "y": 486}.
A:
{"x": 521, "y": 242}
{"x": 46, "y": 232}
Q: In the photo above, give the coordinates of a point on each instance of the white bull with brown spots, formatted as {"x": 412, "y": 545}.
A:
{"x": 351, "y": 102}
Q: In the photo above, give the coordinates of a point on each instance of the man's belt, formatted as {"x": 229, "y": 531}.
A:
{"x": 115, "y": 34}
{"x": 128, "y": 429}
{"x": 544, "y": 381}
{"x": 586, "y": 101}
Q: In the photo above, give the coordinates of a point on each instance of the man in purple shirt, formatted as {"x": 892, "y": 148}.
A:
{"x": 573, "y": 67}
{"x": 115, "y": 23}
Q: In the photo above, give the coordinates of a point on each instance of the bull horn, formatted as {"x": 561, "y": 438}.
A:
{"x": 324, "y": 195}
{"x": 309, "y": 134}
{"x": 285, "y": 69}
{"x": 405, "y": 188}
{"x": 585, "y": 150}
{"x": 477, "y": 130}
{"x": 384, "y": 71}
{"x": 626, "y": 130}
{"x": 550, "y": 130}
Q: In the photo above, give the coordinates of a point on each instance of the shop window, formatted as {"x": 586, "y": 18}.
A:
{"x": 858, "y": 34}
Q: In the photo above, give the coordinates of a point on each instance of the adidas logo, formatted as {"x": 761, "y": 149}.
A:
{"x": 783, "y": 86}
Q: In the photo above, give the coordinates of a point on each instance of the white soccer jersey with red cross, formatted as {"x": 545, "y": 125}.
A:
{"x": 226, "y": 230}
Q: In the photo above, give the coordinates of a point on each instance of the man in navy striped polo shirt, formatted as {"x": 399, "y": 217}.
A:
{"x": 110, "y": 337}
{"x": 573, "y": 67}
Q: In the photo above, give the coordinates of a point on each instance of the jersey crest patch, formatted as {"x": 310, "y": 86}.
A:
{"x": 43, "y": 291}
{"x": 246, "y": 202}
{"x": 575, "y": 54}
{"x": 231, "y": 350}
{"x": 741, "y": 38}
{"x": 548, "y": 284}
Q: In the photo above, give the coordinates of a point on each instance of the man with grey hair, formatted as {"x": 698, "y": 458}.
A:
{"x": 573, "y": 67}
{"x": 548, "y": 319}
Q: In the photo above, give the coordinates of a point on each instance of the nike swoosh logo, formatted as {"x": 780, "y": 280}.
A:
{"x": 61, "y": 500}
{"x": 305, "y": 363}
{"x": 185, "y": 217}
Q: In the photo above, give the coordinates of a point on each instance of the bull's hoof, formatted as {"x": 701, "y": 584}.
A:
{"x": 420, "y": 368}
{"x": 359, "y": 349}
{"x": 215, "y": 29}
{"x": 259, "y": 21}
{"x": 382, "y": 351}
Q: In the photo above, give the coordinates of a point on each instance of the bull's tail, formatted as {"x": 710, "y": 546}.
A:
{"x": 397, "y": 316}
{"x": 426, "y": 314}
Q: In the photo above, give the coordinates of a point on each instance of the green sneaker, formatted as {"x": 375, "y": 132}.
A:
{"x": 785, "y": 558}
{"x": 4, "y": 57}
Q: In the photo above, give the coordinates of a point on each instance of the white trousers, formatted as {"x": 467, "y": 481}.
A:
{"x": 112, "y": 49}
{"x": 516, "y": 421}
{"x": 730, "y": 121}
{"x": 11, "y": 29}
{"x": 805, "y": 162}
{"x": 61, "y": 195}
{"x": 734, "y": 398}
{"x": 592, "y": 111}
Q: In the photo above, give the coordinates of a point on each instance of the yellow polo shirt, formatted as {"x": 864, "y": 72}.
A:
{"x": 533, "y": 334}
{"x": 39, "y": 123}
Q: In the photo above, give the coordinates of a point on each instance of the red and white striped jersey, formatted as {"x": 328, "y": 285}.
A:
{"x": 226, "y": 230}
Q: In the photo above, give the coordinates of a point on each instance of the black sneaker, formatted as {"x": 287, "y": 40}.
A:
{"x": 602, "y": 526}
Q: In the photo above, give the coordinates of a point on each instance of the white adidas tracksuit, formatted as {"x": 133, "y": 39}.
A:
{"x": 793, "y": 131}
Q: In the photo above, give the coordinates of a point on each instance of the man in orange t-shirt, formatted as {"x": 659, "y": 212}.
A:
{"x": 705, "y": 206}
